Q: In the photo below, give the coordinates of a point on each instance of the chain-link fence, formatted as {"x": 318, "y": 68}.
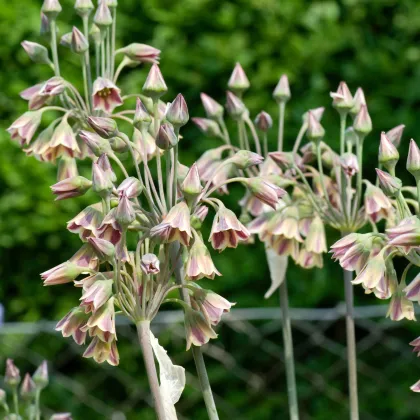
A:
{"x": 245, "y": 366}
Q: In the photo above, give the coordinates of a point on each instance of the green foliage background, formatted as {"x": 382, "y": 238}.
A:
{"x": 373, "y": 44}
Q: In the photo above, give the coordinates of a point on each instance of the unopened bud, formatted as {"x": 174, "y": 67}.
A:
{"x": 51, "y": 9}
{"x": 245, "y": 159}
{"x": 105, "y": 127}
{"x": 395, "y": 135}
{"x": 316, "y": 112}
{"x": 315, "y": 130}
{"x": 213, "y": 109}
{"x": 166, "y": 138}
{"x": 282, "y": 90}
{"x": 234, "y": 105}
{"x": 208, "y": 127}
{"x": 45, "y": 25}
{"x": 67, "y": 168}
{"x": 101, "y": 182}
{"x": 388, "y": 153}
{"x": 131, "y": 187}
{"x": 117, "y": 144}
{"x": 191, "y": 186}
{"x": 140, "y": 53}
{"x": 124, "y": 213}
{"x": 95, "y": 34}
{"x": 84, "y": 7}
{"x": 358, "y": 101}
{"x": 66, "y": 39}
{"x": 177, "y": 113}
{"x": 27, "y": 389}
{"x": 413, "y": 160}
{"x": 71, "y": 187}
{"x": 40, "y": 377}
{"x": 197, "y": 218}
{"x": 263, "y": 121}
{"x": 342, "y": 99}
{"x": 362, "y": 123}
{"x": 390, "y": 185}
{"x": 36, "y": 52}
{"x": 349, "y": 164}
{"x": 12, "y": 376}
{"x": 238, "y": 81}
{"x": 96, "y": 144}
{"x": 142, "y": 118}
{"x": 155, "y": 85}
{"x": 105, "y": 165}
{"x": 150, "y": 264}
{"x": 102, "y": 18}
{"x": 79, "y": 43}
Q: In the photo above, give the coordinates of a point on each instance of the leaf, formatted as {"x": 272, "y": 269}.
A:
{"x": 172, "y": 379}
{"x": 278, "y": 266}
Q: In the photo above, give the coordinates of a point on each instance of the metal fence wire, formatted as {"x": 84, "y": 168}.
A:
{"x": 245, "y": 367}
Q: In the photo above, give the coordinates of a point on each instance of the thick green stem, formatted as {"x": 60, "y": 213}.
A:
{"x": 299, "y": 137}
{"x": 351, "y": 346}
{"x": 143, "y": 331}
{"x": 418, "y": 195}
{"x": 37, "y": 406}
{"x": 114, "y": 26}
{"x": 53, "y": 28}
{"x": 282, "y": 107}
{"x": 15, "y": 400}
{"x": 288, "y": 352}
{"x": 343, "y": 192}
{"x": 197, "y": 352}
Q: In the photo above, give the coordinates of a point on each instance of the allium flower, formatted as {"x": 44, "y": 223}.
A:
{"x": 377, "y": 205}
{"x": 208, "y": 127}
{"x": 199, "y": 263}
{"x": 106, "y": 95}
{"x": 63, "y": 141}
{"x": 104, "y": 249}
{"x": 86, "y": 257}
{"x": 349, "y": 164}
{"x": 103, "y": 318}
{"x": 12, "y": 376}
{"x": 315, "y": 240}
{"x": 285, "y": 246}
{"x": 285, "y": 224}
{"x": 110, "y": 229}
{"x": 40, "y": 377}
{"x": 212, "y": 305}
{"x": 96, "y": 295}
{"x": 103, "y": 352}
{"x": 71, "y": 187}
{"x": 406, "y": 233}
{"x": 34, "y": 97}
{"x": 28, "y": 388}
{"x": 141, "y": 52}
{"x": 150, "y": 264}
{"x": 63, "y": 273}
{"x": 175, "y": 226}
{"x": 342, "y": 99}
{"x": 72, "y": 324}
{"x": 400, "y": 307}
{"x": 412, "y": 291}
{"x": 198, "y": 330}
{"x": 23, "y": 129}
{"x": 87, "y": 222}
{"x": 131, "y": 187}
{"x": 227, "y": 230}
{"x": 307, "y": 259}
{"x": 265, "y": 191}
{"x": 372, "y": 273}
{"x": 213, "y": 109}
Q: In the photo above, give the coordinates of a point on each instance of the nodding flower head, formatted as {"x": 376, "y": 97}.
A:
{"x": 106, "y": 95}
{"x": 198, "y": 329}
{"x": 199, "y": 263}
{"x": 377, "y": 205}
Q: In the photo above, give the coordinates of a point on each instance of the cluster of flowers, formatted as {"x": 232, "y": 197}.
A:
{"x": 162, "y": 218}
{"x": 371, "y": 255}
{"x": 26, "y": 400}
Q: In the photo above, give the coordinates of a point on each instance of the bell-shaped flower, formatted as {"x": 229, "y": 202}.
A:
{"x": 150, "y": 264}
{"x": 104, "y": 319}
{"x": 372, "y": 273}
{"x": 263, "y": 121}
{"x": 377, "y": 205}
{"x": 198, "y": 329}
{"x": 86, "y": 257}
{"x": 227, "y": 230}
{"x": 400, "y": 307}
{"x": 175, "y": 226}
{"x": 349, "y": 164}
{"x": 265, "y": 191}
{"x": 315, "y": 240}
{"x": 63, "y": 141}
{"x": 24, "y": 128}
{"x": 412, "y": 291}
{"x": 63, "y": 273}
{"x": 96, "y": 295}
{"x": 406, "y": 233}
{"x": 103, "y": 352}
{"x": 104, "y": 249}
{"x": 308, "y": 259}
{"x": 131, "y": 187}
{"x": 72, "y": 324}
{"x": 106, "y": 95}
{"x": 110, "y": 229}
{"x": 199, "y": 263}
{"x": 87, "y": 222}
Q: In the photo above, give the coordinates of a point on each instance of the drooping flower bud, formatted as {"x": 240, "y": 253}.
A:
{"x": 105, "y": 127}
{"x": 177, "y": 113}
{"x": 166, "y": 138}
{"x": 213, "y": 109}
{"x": 390, "y": 185}
{"x": 315, "y": 130}
{"x": 413, "y": 160}
{"x": 84, "y": 7}
{"x": 282, "y": 90}
{"x": 142, "y": 118}
{"x": 155, "y": 85}
{"x": 45, "y": 25}
{"x": 265, "y": 191}
{"x": 105, "y": 165}
{"x": 131, "y": 187}
{"x": 12, "y": 375}
{"x": 51, "y": 8}
{"x": 103, "y": 17}
{"x": 191, "y": 186}
{"x": 358, "y": 101}
{"x": 95, "y": 143}
{"x": 141, "y": 53}
{"x": 36, "y": 52}
{"x": 400, "y": 307}
{"x": 388, "y": 153}
{"x": 263, "y": 121}
{"x": 150, "y": 264}
{"x": 28, "y": 388}
{"x": 79, "y": 43}
{"x": 24, "y": 128}
{"x": 238, "y": 81}
{"x": 234, "y": 105}
{"x": 62, "y": 273}
{"x": 349, "y": 164}
{"x": 362, "y": 123}
{"x": 395, "y": 135}
{"x": 101, "y": 181}
{"x": 243, "y": 159}
{"x": 208, "y": 127}
{"x": 40, "y": 377}
{"x": 342, "y": 99}
{"x": 71, "y": 187}
{"x": 124, "y": 213}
